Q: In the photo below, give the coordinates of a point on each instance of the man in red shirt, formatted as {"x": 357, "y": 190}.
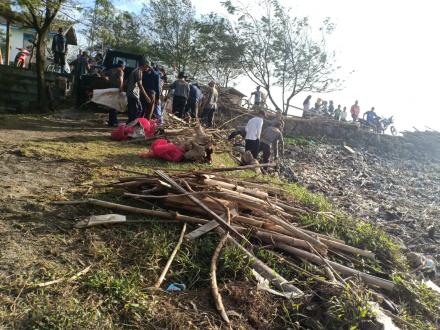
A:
{"x": 355, "y": 111}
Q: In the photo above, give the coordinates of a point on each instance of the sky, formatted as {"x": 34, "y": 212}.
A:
{"x": 390, "y": 45}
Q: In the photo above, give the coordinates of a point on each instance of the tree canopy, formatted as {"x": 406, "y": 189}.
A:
{"x": 280, "y": 50}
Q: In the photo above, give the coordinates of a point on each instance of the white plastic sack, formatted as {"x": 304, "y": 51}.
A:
{"x": 110, "y": 97}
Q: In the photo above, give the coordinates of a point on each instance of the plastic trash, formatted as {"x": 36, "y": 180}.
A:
{"x": 176, "y": 287}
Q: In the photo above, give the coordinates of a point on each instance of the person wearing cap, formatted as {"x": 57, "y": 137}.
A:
{"x": 210, "y": 105}
{"x": 181, "y": 94}
{"x": 135, "y": 90}
{"x": 253, "y": 132}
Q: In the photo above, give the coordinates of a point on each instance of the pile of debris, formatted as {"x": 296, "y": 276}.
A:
{"x": 401, "y": 195}
{"x": 250, "y": 214}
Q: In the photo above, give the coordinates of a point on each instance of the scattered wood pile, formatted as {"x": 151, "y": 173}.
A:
{"x": 248, "y": 214}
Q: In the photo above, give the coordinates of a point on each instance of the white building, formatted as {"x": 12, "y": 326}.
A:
{"x": 22, "y": 37}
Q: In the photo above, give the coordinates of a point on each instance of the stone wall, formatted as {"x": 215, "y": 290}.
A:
{"x": 18, "y": 88}
{"x": 419, "y": 145}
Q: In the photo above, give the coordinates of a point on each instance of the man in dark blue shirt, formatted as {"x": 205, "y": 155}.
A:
{"x": 372, "y": 118}
{"x": 195, "y": 96}
{"x": 151, "y": 84}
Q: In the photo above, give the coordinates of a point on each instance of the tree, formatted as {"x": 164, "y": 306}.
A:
{"x": 218, "y": 50}
{"x": 38, "y": 14}
{"x": 281, "y": 50}
{"x": 170, "y": 25}
{"x": 127, "y": 33}
{"x": 99, "y": 21}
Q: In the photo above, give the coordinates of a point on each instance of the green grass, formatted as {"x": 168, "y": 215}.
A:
{"x": 128, "y": 260}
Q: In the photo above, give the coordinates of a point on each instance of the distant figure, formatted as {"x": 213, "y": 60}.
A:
{"x": 82, "y": 66}
{"x": 253, "y": 132}
{"x": 271, "y": 139}
{"x": 135, "y": 90}
{"x": 116, "y": 77}
{"x": 331, "y": 108}
{"x": 181, "y": 94}
{"x": 306, "y": 103}
{"x": 344, "y": 114}
{"x": 317, "y": 108}
{"x": 59, "y": 48}
{"x": 355, "y": 111}
{"x": 258, "y": 96}
{"x": 338, "y": 112}
{"x": 372, "y": 117}
{"x": 210, "y": 105}
{"x": 324, "y": 108}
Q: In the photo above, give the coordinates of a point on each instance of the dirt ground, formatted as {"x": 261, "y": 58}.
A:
{"x": 59, "y": 157}
{"x": 399, "y": 194}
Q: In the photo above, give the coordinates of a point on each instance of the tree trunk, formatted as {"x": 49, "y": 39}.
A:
{"x": 8, "y": 42}
{"x": 43, "y": 101}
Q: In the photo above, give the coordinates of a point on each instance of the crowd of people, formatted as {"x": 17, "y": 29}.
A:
{"x": 144, "y": 87}
{"x": 327, "y": 108}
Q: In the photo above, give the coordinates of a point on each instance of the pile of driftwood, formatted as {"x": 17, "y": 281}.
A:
{"x": 244, "y": 213}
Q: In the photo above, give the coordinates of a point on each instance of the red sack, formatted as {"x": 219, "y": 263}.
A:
{"x": 122, "y": 132}
{"x": 163, "y": 149}
{"x": 149, "y": 126}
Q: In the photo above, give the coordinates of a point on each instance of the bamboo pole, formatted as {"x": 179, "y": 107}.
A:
{"x": 367, "y": 278}
{"x": 170, "y": 260}
{"x": 212, "y": 214}
{"x": 234, "y": 187}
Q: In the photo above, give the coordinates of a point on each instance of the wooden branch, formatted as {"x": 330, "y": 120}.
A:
{"x": 64, "y": 279}
{"x": 212, "y": 214}
{"x": 252, "y": 192}
{"x": 170, "y": 260}
{"x": 367, "y": 278}
{"x": 214, "y": 287}
{"x": 151, "y": 213}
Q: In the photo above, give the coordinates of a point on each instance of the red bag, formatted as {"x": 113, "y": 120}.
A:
{"x": 122, "y": 133}
{"x": 148, "y": 125}
{"x": 163, "y": 149}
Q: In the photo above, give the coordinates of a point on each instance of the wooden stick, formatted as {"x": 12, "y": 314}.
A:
{"x": 63, "y": 279}
{"x": 367, "y": 278}
{"x": 322, "y": 248}
{"x": 234, "y": 187}
{"x": 151, "y": 213}
{"x": 211, "y": 213}
{"x": 170, "y": 260}
{"x": 276, "y": 279}
{"x": 214, "y": 287}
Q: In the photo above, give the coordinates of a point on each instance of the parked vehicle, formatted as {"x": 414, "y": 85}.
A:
{"x": 20, "y": 58}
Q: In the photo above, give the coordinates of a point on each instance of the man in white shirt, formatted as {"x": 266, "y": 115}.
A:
{"x": 253, "y": 132}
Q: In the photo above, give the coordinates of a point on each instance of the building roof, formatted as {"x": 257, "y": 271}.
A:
{"x": 69, "y": 30}
{"x": 231, "y": 90}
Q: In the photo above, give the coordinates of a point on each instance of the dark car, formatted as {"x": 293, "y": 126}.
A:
{"x": 90, "y": 82}
{"x": 112, "y": 57}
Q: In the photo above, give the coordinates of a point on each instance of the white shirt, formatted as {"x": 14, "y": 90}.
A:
{"x": 253, "y": 128}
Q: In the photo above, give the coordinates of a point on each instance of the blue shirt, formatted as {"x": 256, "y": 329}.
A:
{"x": 371, "y": 116}
{"x": 195, "y": 94}
{"x": 151, "y": 81}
